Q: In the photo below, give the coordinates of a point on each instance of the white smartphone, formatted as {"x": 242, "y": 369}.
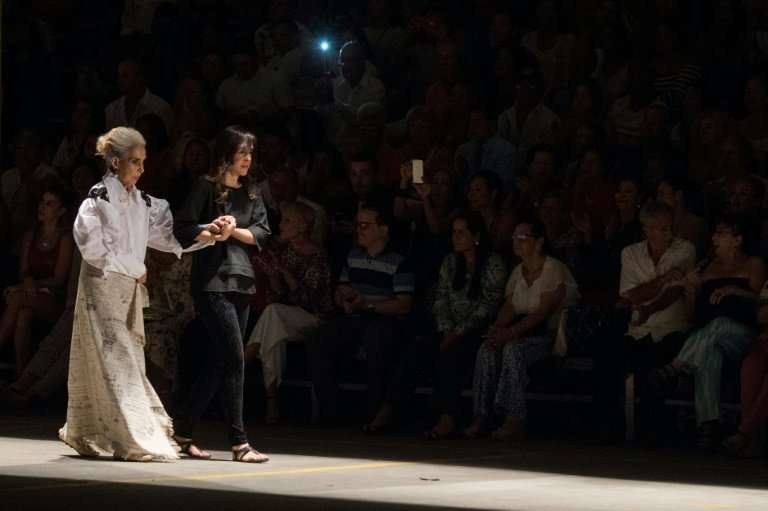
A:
{"x": 418, "y": 171}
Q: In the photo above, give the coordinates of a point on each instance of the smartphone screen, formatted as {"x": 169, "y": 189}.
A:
{"x": 418, "y": 171}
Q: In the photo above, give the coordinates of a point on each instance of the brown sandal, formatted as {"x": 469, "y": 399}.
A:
{"x": 185, "y": 447}
{"x": 240, "y": 454}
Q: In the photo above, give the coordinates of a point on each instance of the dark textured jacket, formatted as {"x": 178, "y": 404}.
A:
{"x": 200, "y": 209}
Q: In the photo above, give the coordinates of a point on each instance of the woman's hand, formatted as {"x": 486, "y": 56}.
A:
{"x": 227, "y": 224}
{"x": 142, "y": 279}
{"x": 640, "y": 315}
{"x": 498, "y": 335}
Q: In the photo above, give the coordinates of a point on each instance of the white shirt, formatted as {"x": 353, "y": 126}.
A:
{"x": 368, "y": 90}
{"x": 11, "y": 182}
{"x": 637, "y": 268}
{"x": 115, "y": 226}
{"x": 527, "y": 298}
{"x": 114, "y": 114}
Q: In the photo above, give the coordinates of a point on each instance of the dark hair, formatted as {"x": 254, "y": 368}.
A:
{"x": 492, "y": 181}
{"x": 541, "y": 148}
{"x": 384, "y": 213}
{"x": 337, "y": 162}
{"x": 476, "y": 226}
{"x": 745, "y": 226}
{"x": 538, "y": 231}
{"x": 226, "y": 146}
{"x": 364, "y": 157}
{"x": 757, "y": 185}
{"x": 65, "y": 196}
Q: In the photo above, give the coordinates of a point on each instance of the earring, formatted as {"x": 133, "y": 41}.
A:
{"x": 477, "y": 243}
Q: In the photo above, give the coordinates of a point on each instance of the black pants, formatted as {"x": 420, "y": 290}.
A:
{"x": 225, "y": 316}
{"x": 454, "y": 369}
{"x": 341, "y": 336}
{"x": 615, "y": 358}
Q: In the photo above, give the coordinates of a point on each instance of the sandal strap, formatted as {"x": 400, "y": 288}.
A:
{"x": 241, "y": 453}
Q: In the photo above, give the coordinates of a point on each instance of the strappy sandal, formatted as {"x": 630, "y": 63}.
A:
{"x": 240, "y": 455}
{"x": 185, "y": 447}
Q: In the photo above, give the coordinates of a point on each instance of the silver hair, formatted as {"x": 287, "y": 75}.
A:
{"x": 117, "y": 142}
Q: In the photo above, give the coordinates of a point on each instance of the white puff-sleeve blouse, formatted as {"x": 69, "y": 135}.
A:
{"x": 115, "y": 226}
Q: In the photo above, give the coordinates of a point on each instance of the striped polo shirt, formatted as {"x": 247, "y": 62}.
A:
{"x": 378, "y": 278}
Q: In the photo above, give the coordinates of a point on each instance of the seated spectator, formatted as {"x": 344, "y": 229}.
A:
{"x": 563, "y": 239}
{"x": 484, "y": 195}
{"x": 284, "y": 187}
{"x": 650, "y": 272}
{"x": 754, "y": 126}
{"x": 48, "y": 369}
{"x": 486, "y": 151}
{"x": 674, "y": 68}
{"x": 385, "y": 36}
{"x": 374, "y": 293}
{"x": 22, "y": 184}
{"x": 586, "y": 108}
{"x": 170, "y": 310}
{"x": 83, "y": 124}
{"x": 326, "y": 180}
{"x": 449, "y": 97}
{"x": 425, "y": 142}
{"x": 362, "y": 181}
{"x": 372, "y": 125}
{"x": 591, "y": 191}
{"x": 266, "y": 40}
{"x": 191, "y": 160}
{"x": 355, "y": 87}
{"x": 285, "y": 66}
{"x": 469, "y": 292}
{"x": 749, "y": 439}
{"x": 686, "y": 225}
{"x": 45, "y": 260}
{"x": 552, "y": 48}
{"x": 537, "y": 292}
{"x": 539, "y": 177}
{"x": 626, "y": 118}
{"x": 136, "y": 99}
{"x": 192, "y": 112}
{"x": 249, "y": 90}
{"x": 708, "y": 134}
{"x": 273, "y": 151}
{"x": 300, "y": 280}
{"x": 529, "y": 122}
{"x": 723, "y": 296}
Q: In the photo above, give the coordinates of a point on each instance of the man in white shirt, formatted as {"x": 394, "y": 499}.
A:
{"x": 651, "y": 276}
{"x": 137, "y": 100}
{"x": 356, "y": 86}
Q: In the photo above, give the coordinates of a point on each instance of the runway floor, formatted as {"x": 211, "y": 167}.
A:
{"x": 342, "y": 469}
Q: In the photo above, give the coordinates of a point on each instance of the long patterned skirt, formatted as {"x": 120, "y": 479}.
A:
{"x": 112, "y": 408}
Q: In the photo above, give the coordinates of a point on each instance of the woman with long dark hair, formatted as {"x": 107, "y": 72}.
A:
{"x": 469, "y": 291}
{"x": 46, "y": 254}
{"x": 222, "y": 281}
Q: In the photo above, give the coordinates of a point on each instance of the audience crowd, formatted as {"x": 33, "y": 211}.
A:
{"x": 453, "y": 189}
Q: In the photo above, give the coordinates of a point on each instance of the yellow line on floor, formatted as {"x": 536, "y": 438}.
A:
{"x": 212, "y": 477}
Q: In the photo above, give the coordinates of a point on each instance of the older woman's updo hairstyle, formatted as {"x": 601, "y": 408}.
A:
{"x": 116, "y": 143}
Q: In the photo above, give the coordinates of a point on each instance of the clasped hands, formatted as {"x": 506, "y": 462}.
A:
{"x": 350, "y": 300}
{"x": 221, "y": 228}
{"x": 497, "y": 335}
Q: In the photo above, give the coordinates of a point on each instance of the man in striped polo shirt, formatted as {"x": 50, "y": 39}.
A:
{"x": 374, "y": 294}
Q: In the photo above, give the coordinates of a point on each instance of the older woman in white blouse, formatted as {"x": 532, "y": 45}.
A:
{"x": 112, "y": 408}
